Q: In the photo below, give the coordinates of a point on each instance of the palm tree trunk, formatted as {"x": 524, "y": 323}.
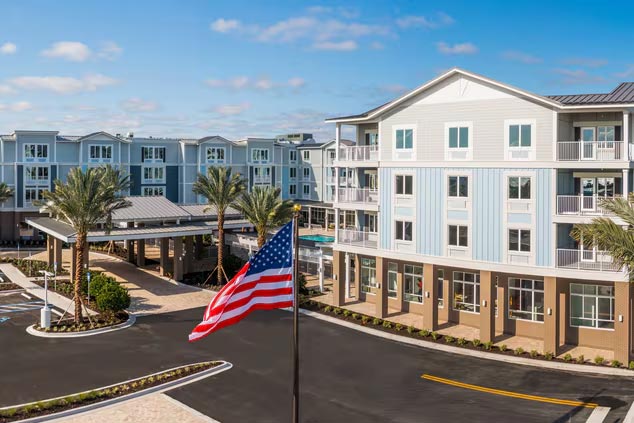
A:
{"x": 221, "y": 245}
{"x": 261, "y": 238}
{"x": 79, "y": 269}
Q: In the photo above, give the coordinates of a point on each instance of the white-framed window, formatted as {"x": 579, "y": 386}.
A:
{"x": 262, "y": 174}
{"x": 151, "y": 154}
{"x": 520, "y": 240}
{"x": 458, "y": 236}
{"x": 519, "y": 187}
{"x": 403, "y": 230}
{"x": 306, "y": 173}
{"x": 526, "y": 299}
{"x": 404, "y": 139}
{"x": 32, "y": 194}
{"x": 466, "y": 291}
{"x": 292, "y": 156}
{"x": 35, "y": 152}
{"x": 260, "y": 155}
{"x": 215, "y": 154}
{"x": 100, "y": 153}
{"x": 370, "y": 222}
{"x": 371, "y": 137}
{"x": 440, "y": 280}
{"x": 306, "y": 190}
{"x": 368, "y": 274}
{"x": 292, "y": 190}
{"x": 520, "y": 139}
{"x": 306, "y": 155}
{"x": 293, "y": 173}
{"x": 392, "y": 279}
{"x": 458, "y": 187}
{"x": 458, "y": 140}
{"x": 153, "y": 174}
{"x": 413, "y": 283}
{"x": 404, "y": 184}
{"x": 36, "y": 174}
{"x": 153, "y": 191}
{"x": 591, "y": 306}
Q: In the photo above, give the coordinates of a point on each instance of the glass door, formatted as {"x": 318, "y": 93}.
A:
{"x": 588, "y": 137}
{"x": 588, "y": 191}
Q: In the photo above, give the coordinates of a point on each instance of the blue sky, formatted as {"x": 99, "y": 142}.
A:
{"x": 238, "y": 68}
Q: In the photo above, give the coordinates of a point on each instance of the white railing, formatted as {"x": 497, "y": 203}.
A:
{"x": 357, "y": 195}
{"x": 580, "y": 205}
{"x": 359, "y": 153}
{"x": 261, "y": 179}
{"x": 586, "y": 260}
{"x": 358, "y": 238}
{"x": 591, "y": 151}
{"x": 331, "y": 179}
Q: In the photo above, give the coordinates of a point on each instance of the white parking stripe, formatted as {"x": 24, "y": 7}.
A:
{"x": 598, "y": 415}
{"x": 629, "y": 417}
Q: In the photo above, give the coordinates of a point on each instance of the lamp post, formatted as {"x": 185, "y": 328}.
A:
{"x": 88, "y": 277}
{"x": 45, "y": 312}
{"x": 55, "y": 276}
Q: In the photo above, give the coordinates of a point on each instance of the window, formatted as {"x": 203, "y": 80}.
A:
{"x": 392, "y": 279}
{"x": 466, "y": 291}
{"x": 32, "y": 194}
{"x": 605, "y": 133}
{"x": 292, "y": 156}
{"x": 404, "y": 139}
{"x": 413, "y": 283}
{"x": 371, "y": 138}
{"x": 526, "y": 299}
{"x": 293, "y": 172}
{"x": 368, "y": 274}
{"x": 260, "y": 155}
{"x": 459, "y": 186}
{"x": 459, "y": 137}
{"x": 370, "y": 222}
{"x": 520, "y": 136}
{"x": 592, "y": 306}
{"x": 404, "y": 184}
{"x": 306, "y": 190}
{"x": 403, "y": 230}
{"x": 262, "y": 174}
{"x": 306, "y": 173}
{"x": 215, "y": 154}
{"x": 35, "y": 151}
{"x": 458, "y": 236}
{"x": 306, "y": 155}
{"x": 519, "y": 188}
{"x": 520, "y": 240}
{"x": 152, "y": 174}
{"x": 36, "y": 173}
{"x": 292, "y": 190}
{"x": 153, "y": 191}
{"x": 440, "y": 280}
{"x": 153, "y": 154}
{"x": 100, "y": 153}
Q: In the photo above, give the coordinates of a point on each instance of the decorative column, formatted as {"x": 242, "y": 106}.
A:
{"x": 357, "y": 277}
{"x": 430, "y": 298}
{"x": 399, "y": 287}
{"x": 626, "y": 136}
{"x": 339, "y": 269}
{"x": 552, "y": 311}
{"x": 626, "y": 183}
{"x": 487, "y": 307}
{"x": 58, "y": 258}
{"x": 178, "y": 258}
{"x": 164, "y": 255}
{"x": 50, "y": 250}
{"x": 199, "y": 247}
{"x": 321, "y": 273}
{"x": 189, "y": 252}
{"x": 380, "y": 292}
{"x": 622, "y": 321}
{"x": 336, "y": 222}
{"x": 347, "y": 275}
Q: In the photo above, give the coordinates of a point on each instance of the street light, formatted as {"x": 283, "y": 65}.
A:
{"x": 88, "y": 277}
{"x": 45, "y": 312}
{"x": 55, "y": 276}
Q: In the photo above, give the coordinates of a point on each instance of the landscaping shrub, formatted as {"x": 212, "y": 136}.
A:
{"x": 599, "y": 360}
{"x": 347, "y": 313}
{"x": 476, "y": 343}
{"x": 424, "y": 333}
{"x": 398, "y": 327}
{"x": 113, "y": 298}
{"x": 488, "y": 345}
{"x": 97, "y": 282}
{"x": 631, "y": 365}
{"x": 581, "y": 359}
{"x": 387, "y": 324}
{"x": 337, "y": 311}
{"x": 327, "y": 309}
{"x": 615, "y": 363}
{"x": 449, "y": 339}
{"x": 567, "y": 358}
{"x": 365, "y": 319}
{"x": 461, "y": 342}
{"x": 411, "y": 329}
{"x": 435, "y": 335}
{"x": 533, "y": 353}
{"x": 502, "y": 347}
{"x": 356, "y": 316}
{"x": 376, "y": 321}
{"x": 518, "y": 351}
{"x": 549, "y": 356}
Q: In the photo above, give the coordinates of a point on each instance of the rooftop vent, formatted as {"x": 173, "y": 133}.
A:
{"x": 130, "y": 135}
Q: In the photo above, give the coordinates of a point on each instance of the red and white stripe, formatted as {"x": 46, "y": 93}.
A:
{"x": 266, "y": 290}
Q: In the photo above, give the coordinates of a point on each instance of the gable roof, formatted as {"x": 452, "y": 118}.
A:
{"x": 105, "y": 134}
{"x": 215, "y": 138}
{"x": 623, "y": 93}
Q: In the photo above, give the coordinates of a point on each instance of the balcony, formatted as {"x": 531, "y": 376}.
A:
{"x": 580, "y": 205}
{"x": 262, "y": 179}
{"x": 359, "y": 153}
{"x": 606, "y": 151}
{"x": 592, "y": 260}
{"x": 358, "y": 238}
{"x": 358, "y": 195}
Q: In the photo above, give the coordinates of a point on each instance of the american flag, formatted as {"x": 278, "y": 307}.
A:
{"x": 265, "y": 282}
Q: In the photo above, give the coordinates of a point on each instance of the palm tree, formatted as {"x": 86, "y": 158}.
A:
{"x": 265, "y": 209}
{"x": 84, "y": 200}
{"x": 5, "y": 192}
{"x": 606, "y": 235}
{"x": 221, "y": 189}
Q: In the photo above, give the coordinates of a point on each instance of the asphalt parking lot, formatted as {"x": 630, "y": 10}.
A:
{"x": 20, "y": 309}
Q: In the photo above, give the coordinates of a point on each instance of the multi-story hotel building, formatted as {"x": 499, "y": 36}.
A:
{"x": 463, "y": 194}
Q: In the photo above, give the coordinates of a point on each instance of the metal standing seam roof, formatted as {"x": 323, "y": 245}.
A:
{"x": 623, "y": 93}
{"x": 198, "y": 211}
{"x": 149, "y": 208}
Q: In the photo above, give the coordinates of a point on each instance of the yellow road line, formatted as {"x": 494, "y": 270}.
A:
{"x": 571, "y": 403}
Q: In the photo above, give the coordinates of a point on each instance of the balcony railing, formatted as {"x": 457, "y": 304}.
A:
{"x": 591, "y": 151}
{"x": 357, "y": 195}
{"x": 262, "y": 179}
{"x": 599, "y": 261}
{"x": 580, "y": 205}
{"x": 359, "y": 153}
{"x": 358, "y": 238}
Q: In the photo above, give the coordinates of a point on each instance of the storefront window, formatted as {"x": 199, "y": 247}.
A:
{"x": 592, "y": 306}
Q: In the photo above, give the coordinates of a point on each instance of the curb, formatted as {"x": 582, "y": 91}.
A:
{"x": 569, "y": 367}
{"x": 101, "y": 404}
{"x": 12, "y": 291}
{"x": 131, "y": 320}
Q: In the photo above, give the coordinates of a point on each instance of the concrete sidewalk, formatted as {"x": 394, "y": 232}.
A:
{"x": 56, "y": 300}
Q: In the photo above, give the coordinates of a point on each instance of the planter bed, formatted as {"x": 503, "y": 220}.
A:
{"x": 473, "y": 344}
{"x": 100, "y": 321}
{"x": 8, "y": 286}
{"x": 31, "y": 268}
{"x": 65, "y": 288}
{"x": 69, "y": 402}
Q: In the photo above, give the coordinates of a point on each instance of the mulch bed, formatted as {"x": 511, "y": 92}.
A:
{"x": 99, "y": 321}
{"x": 8, "y": 286}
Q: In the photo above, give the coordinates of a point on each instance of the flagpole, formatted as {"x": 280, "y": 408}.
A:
{"x": 296, "y": 208}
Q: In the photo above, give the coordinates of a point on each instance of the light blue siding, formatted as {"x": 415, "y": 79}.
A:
{"x": 487, "y": 214}
{"x": 430, "y": 194}
{"x": 404, "y": 211}
{"x": 458, "y": 215}
{"x": 544, "y": 247}
{"x": 519, "y": 218}
{"x": 385, "y": 216}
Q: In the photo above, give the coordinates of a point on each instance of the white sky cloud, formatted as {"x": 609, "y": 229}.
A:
{"x": 68, "y": 50}
{"x": 6, "y": 89}
{"x": 232, "y": 109}
{"x": 577, "y": 77}
{"x": 263, "y": 83}
{"x": 20, "y": 106}
{"x": 8, "y": 48}
{"x": 348, "y": 45}
{"x": 460, "y": 48}
{"x": 62, "y": 84}
{"x": 441, "y": 19}
{"x": 224, "y": 25}
{"x": 110, "y": 50}
{"x": 585, "y": 62}
{"x": 136, "y": 104}
{"x": 518, "y": 56}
